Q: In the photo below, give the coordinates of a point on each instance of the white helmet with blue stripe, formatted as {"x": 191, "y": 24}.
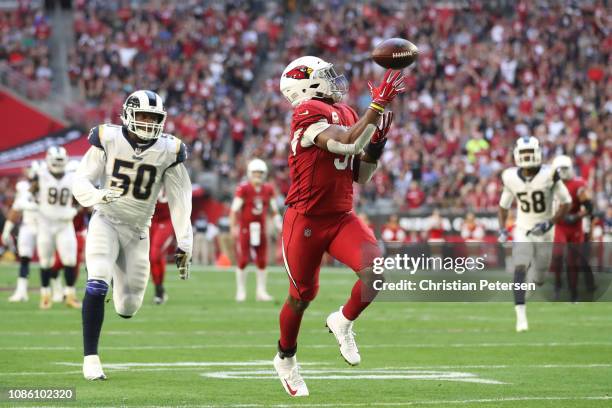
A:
{"x": 148, "y": 102}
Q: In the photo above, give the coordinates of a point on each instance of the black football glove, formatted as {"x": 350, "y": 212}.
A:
{"x": 183, "y": 263}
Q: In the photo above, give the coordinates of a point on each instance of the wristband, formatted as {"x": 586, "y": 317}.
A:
{"x": 377, "y": 108}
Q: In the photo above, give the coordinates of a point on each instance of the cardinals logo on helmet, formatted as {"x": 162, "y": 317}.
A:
{"x": 301, "y": 72}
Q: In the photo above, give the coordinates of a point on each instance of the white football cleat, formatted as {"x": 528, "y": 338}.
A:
{"x": 240, "y": 295}
{"x": 21, "y": 291}
{"x": 289, "y": 374}
{"x": 521, "y": 318}
{"x": 263, "y": 296}
{"x": 160, "y": 300}
{"x": 18, "y": 297}
{"x": 45, "y": 299}
{"x": 92, "y": 368}
{"x": 342, "y": 329}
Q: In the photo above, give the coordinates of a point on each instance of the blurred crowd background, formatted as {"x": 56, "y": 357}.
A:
{"x": 488, "y": 72}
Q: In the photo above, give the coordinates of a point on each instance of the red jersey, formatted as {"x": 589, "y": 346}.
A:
{"x": 255, "y": 202}
{"x": 574, "y": 186}
{"x": 321, "y": 181}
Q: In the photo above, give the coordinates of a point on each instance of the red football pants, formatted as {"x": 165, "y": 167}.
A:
{"x": 306, "y": 238}
{"x": 568, "y": 245}
{"x": 247, "y": 253}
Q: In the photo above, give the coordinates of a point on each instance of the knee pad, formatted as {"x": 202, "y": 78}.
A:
{"x": 96, "y": 287}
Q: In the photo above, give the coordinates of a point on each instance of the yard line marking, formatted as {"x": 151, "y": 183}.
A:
{"x": 376, "y": 374}
{"x": 192, "y": 364}
{"x": 272, "y": 346}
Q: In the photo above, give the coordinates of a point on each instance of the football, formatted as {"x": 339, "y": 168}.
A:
{"x": 395, "y": 53}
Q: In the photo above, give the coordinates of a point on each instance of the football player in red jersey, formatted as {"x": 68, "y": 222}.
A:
{"x": 331, "y": 147}
{"x": 161, "y": 235}
{"x": 248, "y": 227}
{"x": 568, "y": 231}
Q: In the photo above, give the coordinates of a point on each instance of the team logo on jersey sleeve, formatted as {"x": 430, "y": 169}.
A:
{"x": 300, "y": 72}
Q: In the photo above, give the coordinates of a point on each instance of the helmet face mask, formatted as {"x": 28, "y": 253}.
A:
{"x": 527, "y": 153}
{"x": 56, "y": 159}
{"x": 311, "y": 77}
{"x": 146, "y": 102}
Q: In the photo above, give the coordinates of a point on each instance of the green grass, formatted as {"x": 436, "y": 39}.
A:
{"x": 429, "y": 350}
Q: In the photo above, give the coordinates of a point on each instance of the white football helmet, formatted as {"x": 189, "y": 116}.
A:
{"x": 254, "y": 166}
{"x": 56, "y": 159}
{"x": 563, "y": 165}
{"x": 527, "y": 152}
{"x": 311, "y": 77}
{"x": 144, "y": 101}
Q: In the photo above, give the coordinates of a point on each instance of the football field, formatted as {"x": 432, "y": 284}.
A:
{"x": 203, "y": 349}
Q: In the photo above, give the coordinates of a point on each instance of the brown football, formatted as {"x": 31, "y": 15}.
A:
{"x": 395, "y": 53}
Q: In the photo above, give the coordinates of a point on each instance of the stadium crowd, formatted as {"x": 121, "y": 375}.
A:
{"x": 24, "y": 48}
{"x": 488, "y": 72}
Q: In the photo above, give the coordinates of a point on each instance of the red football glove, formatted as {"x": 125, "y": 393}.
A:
{"x": 391, "y": 85}
{"x": 383, "y": 127}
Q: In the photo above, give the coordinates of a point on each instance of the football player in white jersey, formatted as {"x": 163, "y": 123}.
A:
{"x": 121, "y": 176}
{"x": 26, "y": 208}
{"x": 53, "y": 184}
{"x": 534, "y": 186}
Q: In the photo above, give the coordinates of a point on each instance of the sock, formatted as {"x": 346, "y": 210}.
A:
{"x": 356, "y": 303}
{"x": 45, "y": 277}
{"x": 24, "y": 267}
{"x": 157, "y": 272}
{"x": 290, "y": 322}
{"x": 520, "y": 310}
{"x": 159, "y": 291}
{"x": 69, "y": 275}
{"x": 241, "y": 278}
{"x": 22, "y": 285}
{"x": 519, "y": 295}
{"x": 261, "y": 276}
{"x": 93, "y": 315}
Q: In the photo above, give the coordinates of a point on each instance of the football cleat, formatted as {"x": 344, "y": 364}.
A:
{"x": 289, "y": 374}
{"x": 263, "y": 296}
{"x": 18, "y": 297}
{"x": 45, "y": 298}
{"x": 92, "y": 368}
{"x": 342, "y": 329}
{"x": 72, "y": 302}
{"x": 521, "y": 318}
{"x": 160, "y": 300}
{"x": 240, "y": 295}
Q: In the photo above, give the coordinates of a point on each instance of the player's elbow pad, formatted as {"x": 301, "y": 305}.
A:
{"x": 354, "y": 148}
{"x": 366, "y": 171}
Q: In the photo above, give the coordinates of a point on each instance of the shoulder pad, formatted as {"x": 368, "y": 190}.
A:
{"x": 94, "y": 137}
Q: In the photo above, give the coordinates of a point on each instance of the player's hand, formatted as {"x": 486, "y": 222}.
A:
{"x": 391, "y": 85}
{"x": 110, "y": 196}
{"x": 183, "y": 263}
{"x": 571, "y": 218}
{"x": 383, "y": 127}
{"x": 503, "y": 236}
{"x": 540, "y": 229}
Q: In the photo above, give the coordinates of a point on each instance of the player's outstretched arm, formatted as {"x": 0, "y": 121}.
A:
{"x": 352, "y": 141}
{"x": 178, "y": 189}
{"x": 368, "y": 161}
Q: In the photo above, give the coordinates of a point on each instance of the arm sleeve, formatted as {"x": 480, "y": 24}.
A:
{"x": 88, "y": 173}
{"x": 178, "y": 189}
{"x": 312, "y": 132}
{"x": 506, "y": 199}
{"x": 562, "y": 193}
{"x": 366, "y": 171}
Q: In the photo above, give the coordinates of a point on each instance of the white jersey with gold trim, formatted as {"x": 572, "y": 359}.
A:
{"x": 534, "y": 195}
{"x": 55, "y": 195}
